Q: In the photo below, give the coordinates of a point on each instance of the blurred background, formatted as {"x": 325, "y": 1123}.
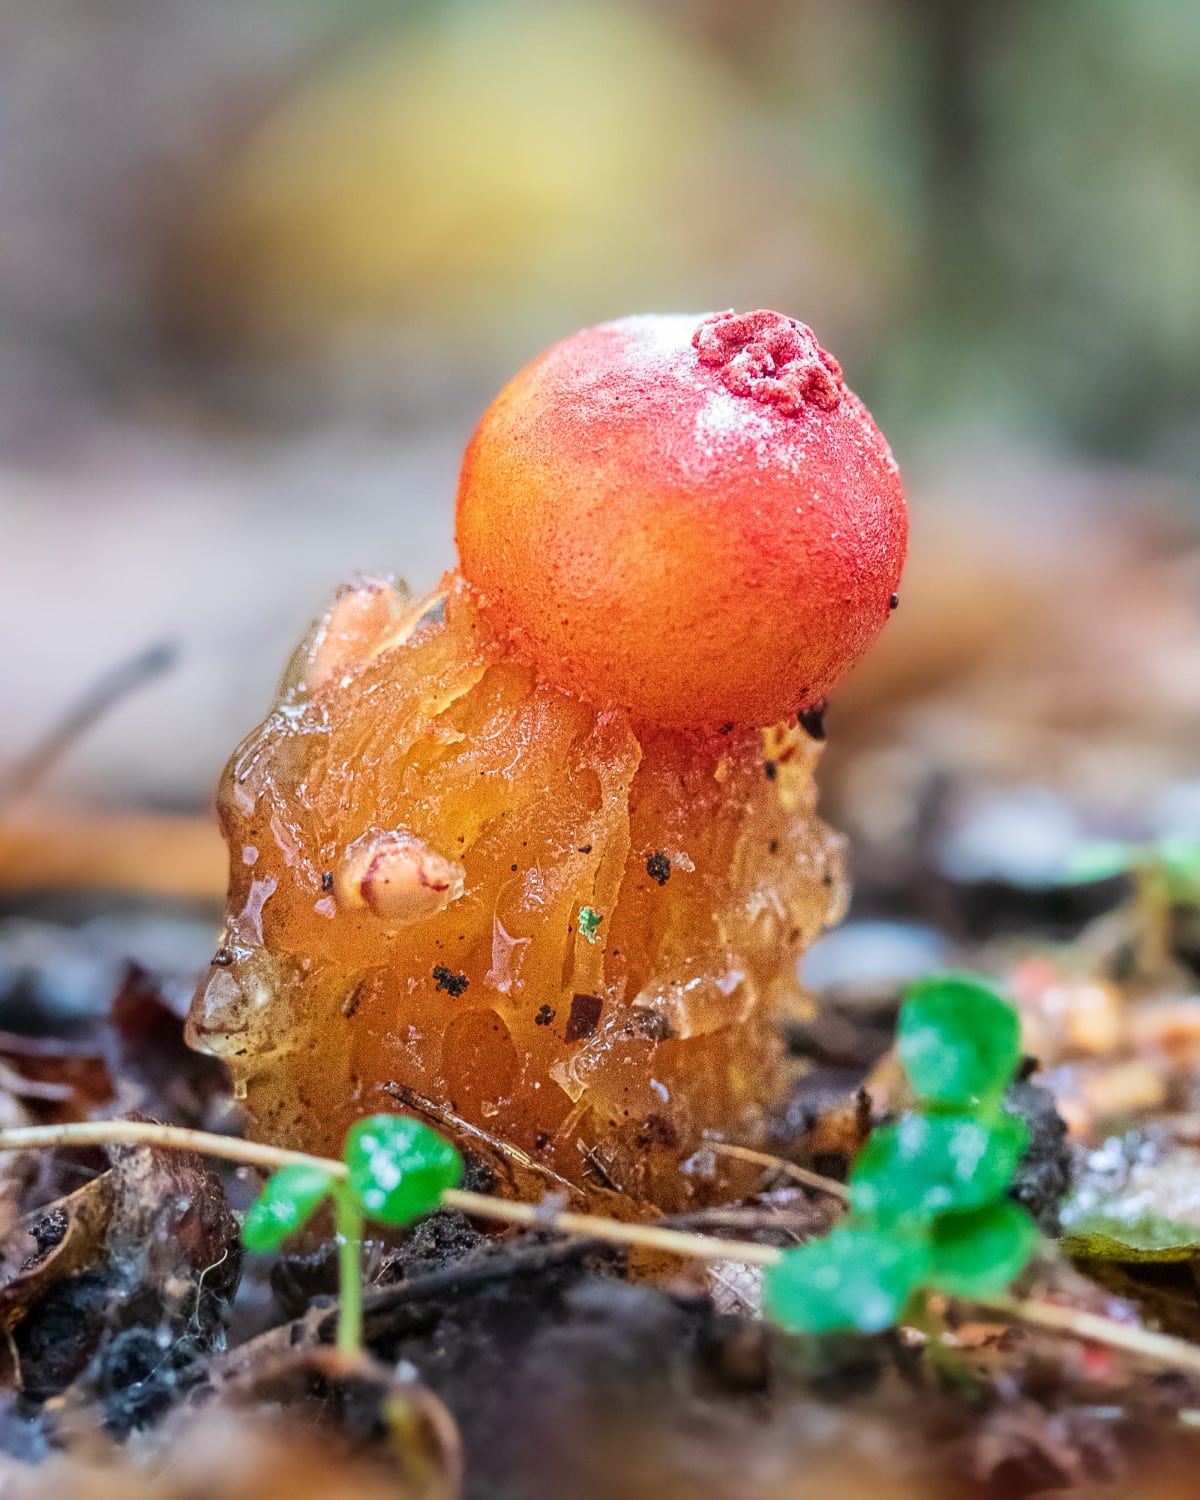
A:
{"x": 263, "y": 262}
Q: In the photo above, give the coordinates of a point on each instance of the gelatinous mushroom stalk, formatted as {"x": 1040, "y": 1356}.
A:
{"x": 536, "y": 857}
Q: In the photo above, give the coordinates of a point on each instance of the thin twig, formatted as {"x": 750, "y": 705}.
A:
{"x": 1096, "y": 1329}
{"x": 169, "y": 1137}
{"x": 164, "y": 855}
{"x": 478, "y": 1205}
{"x": 648, "y": 1236}
{"x": 455, "y": 1125}
{"x": 93, "y": 704}
{"x": 798, "y": 1174}
{"x": 1158, "y": 1347}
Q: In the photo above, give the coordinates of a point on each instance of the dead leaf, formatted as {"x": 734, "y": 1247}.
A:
{"x": 141, "y": 1262}
{"x": 150, "y": 1055}
{"x": 53, "y": 1243}
{"x": 56, "y": 1081}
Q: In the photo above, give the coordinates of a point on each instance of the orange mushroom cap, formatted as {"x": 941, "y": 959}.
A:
{"x": 690, "y": 517}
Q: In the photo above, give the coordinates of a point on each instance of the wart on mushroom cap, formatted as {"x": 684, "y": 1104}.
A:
{"x": 774, "y": 359}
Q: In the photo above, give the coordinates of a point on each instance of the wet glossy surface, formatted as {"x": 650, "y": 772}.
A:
{"x": 415, "y": 831}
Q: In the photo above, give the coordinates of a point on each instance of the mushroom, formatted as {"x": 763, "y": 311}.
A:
{"x": 536, "y": 857}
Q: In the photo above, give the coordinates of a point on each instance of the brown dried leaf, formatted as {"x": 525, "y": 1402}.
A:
{"x": 50, "y": 1244}
{"x": 150, "y": 1245}
{"x": 172, "y": 1080}
{"x": 56, "y": 1081}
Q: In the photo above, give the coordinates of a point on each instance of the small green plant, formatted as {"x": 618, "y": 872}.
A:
{"x": 1170, "y": 866}
{"x": 929, "y": 1210}
{"x": 1166, "y": 888}
{"x": 396, "y": 1170}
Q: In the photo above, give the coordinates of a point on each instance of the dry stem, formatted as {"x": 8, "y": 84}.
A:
{"x": 815, "y": 1180}
{"x": 478, "y": 1205}
{"x": 1157, "y": 1347}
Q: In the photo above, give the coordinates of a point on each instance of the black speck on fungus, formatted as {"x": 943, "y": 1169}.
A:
{"x": 812, "y": 721}
{"x": 453, "y": 984}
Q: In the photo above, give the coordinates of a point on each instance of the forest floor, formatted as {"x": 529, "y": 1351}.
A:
{"x": 144, "y": 1354}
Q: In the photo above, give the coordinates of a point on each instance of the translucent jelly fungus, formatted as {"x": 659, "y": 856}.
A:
{"x": 558, "y": 914}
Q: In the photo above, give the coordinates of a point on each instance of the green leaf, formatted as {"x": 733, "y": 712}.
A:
{"x": 398, "y": 1168}
{"x": 1099, "y": 859}
{"x": 930, "y": 1164}
{"x": 978, "y": 1253}
{"x": 958, "y": 1039}
{"x": 1144, "y": 1257}
{"x": 1148, "y": 1239}
{"x": 1179, "y": 856}
{"x": 286, "y": 1204}
{"x": 853, "y": 1278}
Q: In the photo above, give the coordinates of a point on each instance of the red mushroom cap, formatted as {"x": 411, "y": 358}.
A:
{"x": 690, "y": 517}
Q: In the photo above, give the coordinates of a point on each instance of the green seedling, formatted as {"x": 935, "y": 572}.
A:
{"x": 396, "y": 1170}
{"x": 1166, "y": 881}
{"x": 1171, "y": 863}
{"x": 929, "y": 1205}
